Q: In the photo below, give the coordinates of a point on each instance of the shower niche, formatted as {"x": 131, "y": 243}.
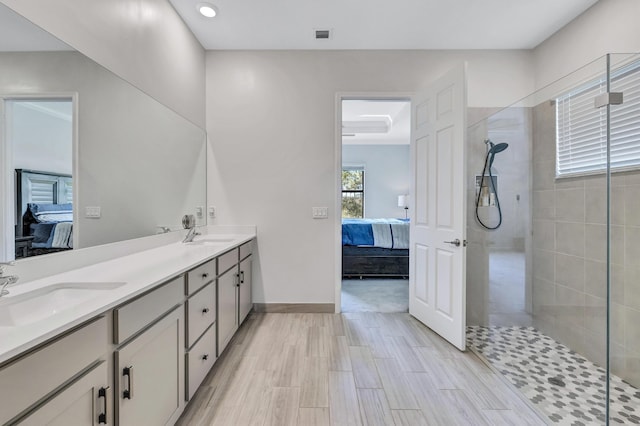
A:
{"x": 486, "y": 189}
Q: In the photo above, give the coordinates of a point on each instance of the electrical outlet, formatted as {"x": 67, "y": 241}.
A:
{"x": 212, "y": 212}
{"x": 92, "y": 212}
{"x": 199, "y": 212}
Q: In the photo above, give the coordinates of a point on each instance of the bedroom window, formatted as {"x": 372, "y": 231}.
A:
{"x": 353, "y": 192}
{"x": 581, "y": 140}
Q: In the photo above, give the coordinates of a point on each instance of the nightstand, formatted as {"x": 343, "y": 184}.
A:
{"x": 23, "y": 244}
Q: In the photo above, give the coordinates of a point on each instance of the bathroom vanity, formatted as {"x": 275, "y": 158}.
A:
{"x": 123, "y": 342}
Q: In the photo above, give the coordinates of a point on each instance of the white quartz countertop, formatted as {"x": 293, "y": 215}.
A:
{"x": 131, "y": 275}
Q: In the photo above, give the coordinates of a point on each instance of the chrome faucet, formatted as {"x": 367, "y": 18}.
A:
{"x": 190, "y": 235}
{"x": 163, "y": 229}
{"x": 6, "y": 280}
{"x": 189, "y": 222}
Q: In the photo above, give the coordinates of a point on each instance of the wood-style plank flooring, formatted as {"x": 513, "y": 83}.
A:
{"x": 350, "y": 369}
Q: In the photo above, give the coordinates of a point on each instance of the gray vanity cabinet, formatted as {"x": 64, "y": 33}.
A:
{"x": 149, "y": 361}
{"x": 85, "y": 402}
{"x": 227, "y": 306}
{"x": 140, "y": 362}
{"x": 150, "y": 374}
{"x": 234, "y": 292}
{"x": 201, "y": 313}
{"x": 245, "y": 302}
{"x": 58, "y": 379}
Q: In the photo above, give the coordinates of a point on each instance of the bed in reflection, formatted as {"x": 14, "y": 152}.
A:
{"x": 375, "y": 248}
{"x": 44, "y": 212}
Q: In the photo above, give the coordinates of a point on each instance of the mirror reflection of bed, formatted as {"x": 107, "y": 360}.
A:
{"x": 44, "y": 213}
{"x": 375, "y": 226}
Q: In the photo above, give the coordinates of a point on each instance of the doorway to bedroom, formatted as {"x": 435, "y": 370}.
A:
{"x": 36, "y": 184}
{"x": 375, "y": 206}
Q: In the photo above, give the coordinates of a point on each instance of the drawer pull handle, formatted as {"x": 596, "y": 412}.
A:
{"x": 103, "y": 393}
{"x": 128, "y": 393}
{"x": 241, "y": 277}
{"x": 205, "y": 310}
{"x": 205, "y": 357}
{"x": 205, "y": 275}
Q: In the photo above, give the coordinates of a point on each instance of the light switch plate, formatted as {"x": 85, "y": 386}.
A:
{"x": 92, "y": 212}
{"x": 212, "y": 212}
{"x": 199, "y": 212}
{"x": 320, "y": 212}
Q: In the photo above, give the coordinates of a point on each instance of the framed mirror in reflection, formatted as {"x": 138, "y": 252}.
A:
{"x": 87, "y": 158}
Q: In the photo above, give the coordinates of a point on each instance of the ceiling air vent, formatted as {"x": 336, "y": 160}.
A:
{"x": 323, "y": 34}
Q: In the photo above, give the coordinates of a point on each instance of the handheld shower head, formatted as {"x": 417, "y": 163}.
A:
{"x": 497, "y": 148}
{"x": 490, "y": 188}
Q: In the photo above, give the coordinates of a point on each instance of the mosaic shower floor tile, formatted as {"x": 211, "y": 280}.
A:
{"x": 565, "y": 386}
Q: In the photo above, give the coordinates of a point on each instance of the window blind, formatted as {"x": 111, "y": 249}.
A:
{"x": 581, "y": 138}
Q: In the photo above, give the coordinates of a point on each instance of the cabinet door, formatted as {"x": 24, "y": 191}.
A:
{"x": 82, "y": 403}
{"x": 245, "y": 302}
{"x": 150, "y": 373}
{"x": 227, "y": 307}
{"x": 49, "y": 367}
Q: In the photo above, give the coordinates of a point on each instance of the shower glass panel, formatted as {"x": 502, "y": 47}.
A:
{"x": 624, "y": 246}
{"x": 538, "y": 286}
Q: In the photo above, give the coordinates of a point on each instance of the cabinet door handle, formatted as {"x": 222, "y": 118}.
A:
{"x": 104, "y": 393}
{"x": 205, "y": 357}
{"x": 241, "y": 277}
{"x": 237, "y": 283}
{"x": 128, "y": 393}
{"x": 205, "y": 310}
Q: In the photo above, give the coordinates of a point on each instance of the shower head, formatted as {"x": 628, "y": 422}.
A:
{"x": 494, "y": 149}
{"x": 498, "y": 148}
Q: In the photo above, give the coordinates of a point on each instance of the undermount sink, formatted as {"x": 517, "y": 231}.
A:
{"x": 38, "y": 305}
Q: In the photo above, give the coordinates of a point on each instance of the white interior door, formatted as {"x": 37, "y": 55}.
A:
{"x": 437, "y": 293}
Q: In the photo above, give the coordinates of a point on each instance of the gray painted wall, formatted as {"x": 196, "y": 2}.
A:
{"x": 387, "y": 175}
{"x": 271, "y": 122}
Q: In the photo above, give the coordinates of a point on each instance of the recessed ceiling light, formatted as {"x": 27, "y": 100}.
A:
{"x": 207, "y": 9}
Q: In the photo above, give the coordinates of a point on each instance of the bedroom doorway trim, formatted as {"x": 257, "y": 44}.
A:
{"x": 337, "y": 211}
{"x": 7, "y": 186}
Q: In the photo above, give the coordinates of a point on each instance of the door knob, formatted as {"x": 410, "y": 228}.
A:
{"x": 455, "y": 242}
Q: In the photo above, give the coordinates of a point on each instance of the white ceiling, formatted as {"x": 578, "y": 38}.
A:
{"x": 395, "y": 112}
{"x": 378, "y": 24}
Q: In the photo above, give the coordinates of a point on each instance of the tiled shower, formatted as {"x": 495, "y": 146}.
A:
{"x": 553, "y": 295}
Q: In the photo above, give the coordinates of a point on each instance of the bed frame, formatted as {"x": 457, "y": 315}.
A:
{"x": 369, "y": 262}
{"x": 34, "y": 186}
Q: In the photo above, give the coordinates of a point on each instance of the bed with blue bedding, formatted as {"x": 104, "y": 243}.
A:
{"x": 44, "y": 212}
{"x": 375, "y": 248}
{"x": 51, "y": 225}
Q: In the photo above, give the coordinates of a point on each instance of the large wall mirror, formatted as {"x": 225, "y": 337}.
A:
{"x": 86, "y": 157}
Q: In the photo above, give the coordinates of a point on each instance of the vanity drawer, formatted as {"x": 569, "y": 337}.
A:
{"x": 200, "y": 276}
{"x": 201, "y": 312}
{"x": 133, "y": 316}
{"x": 227, "y": 261}
{"x": 246, "y": 249}
{"x": 199, "y": 361}
{"x": 29, "y": 378}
